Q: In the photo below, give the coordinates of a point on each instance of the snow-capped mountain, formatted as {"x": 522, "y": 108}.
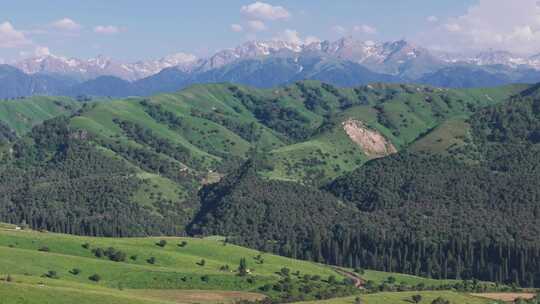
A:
{"x": 396, "y": 58}
{"x": 101, "y": 66}
{"x": 494, "y": 57}
{"x": 251, "y": 49}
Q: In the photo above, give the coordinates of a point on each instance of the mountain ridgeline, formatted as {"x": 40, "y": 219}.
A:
{"x": 407, "y": 178}
{"x": 344, "y": 63}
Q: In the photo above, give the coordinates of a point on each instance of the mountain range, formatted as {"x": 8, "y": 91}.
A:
{"x": 345, "y": 62}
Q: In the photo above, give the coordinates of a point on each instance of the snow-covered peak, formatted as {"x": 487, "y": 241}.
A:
{"x": 102, "y": 65}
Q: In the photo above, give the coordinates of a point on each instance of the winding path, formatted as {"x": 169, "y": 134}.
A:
{"x": 358, "y": 281}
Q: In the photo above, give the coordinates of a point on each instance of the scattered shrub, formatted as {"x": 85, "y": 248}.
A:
{"x": 161, "y": 243}
{"x": 44, "y": 249}
{"x": 151, "y": 260}
{"x": 51, "y": 274}
{"x": 75, "y": 271}
{"x": 417, "y": 298}
{"x": 95, "y": 277}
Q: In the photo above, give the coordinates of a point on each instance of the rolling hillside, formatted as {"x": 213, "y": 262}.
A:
{"x": 20, "y": 115}
{"x": 299, "y": 126}
{"x": 164, "y": 148}
{"x": 150, "y": 270}
{"x": 41, "y": 267}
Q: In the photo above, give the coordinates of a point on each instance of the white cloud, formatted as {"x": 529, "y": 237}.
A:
{"x": 66, "y": 24}
{"x": 340, "y": 30}
{"x": 366, "y": 29}
{"x": 107, "y": 29}
{"x": 496, "y": 24}
{"x": 452, "y": 27}
{"x": 256, "y": 25}
{"x": 293, "y": 36}
{"x": 264, "y": 11}
{"x": 12, "y": 38}
{"x": 42, "y": 51}
{"x": 236, "y": 28}
{"x": 432, "y": 19}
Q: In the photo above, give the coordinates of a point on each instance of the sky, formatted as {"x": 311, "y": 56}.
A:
{"x": 131, "y": 30}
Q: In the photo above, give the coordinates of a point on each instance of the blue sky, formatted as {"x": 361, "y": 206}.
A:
{"x": 132, "y": 30}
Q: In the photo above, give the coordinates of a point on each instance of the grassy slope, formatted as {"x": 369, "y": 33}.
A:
{"x": 175, "y": 268}
{"x": 22, "y": 114}
{"x": 405, "y": 297}
{"x": 172, "y": 278}
{"x": 379, "y": 277}
{"x": 401, "y": 113}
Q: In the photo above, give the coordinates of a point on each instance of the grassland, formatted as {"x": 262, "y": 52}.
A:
{"x": 22, "y": 114}
{"x": 184, "y": 270}
{"x": 178, "y": 268}
{"x": 406, "y": 297}
{"x": 379, "y": 277}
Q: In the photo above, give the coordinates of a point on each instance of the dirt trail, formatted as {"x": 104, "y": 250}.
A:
{"x": 358, "y": 281}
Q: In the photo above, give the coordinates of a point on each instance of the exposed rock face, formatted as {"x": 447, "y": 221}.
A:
{"x": 373, "y": 143}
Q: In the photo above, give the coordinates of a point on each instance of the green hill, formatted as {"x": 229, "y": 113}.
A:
{"x": 43, "y": 267}
{"x": 153, "y": 154}
{"x": 20, "y": 115}
{"x": 65, "y": 264}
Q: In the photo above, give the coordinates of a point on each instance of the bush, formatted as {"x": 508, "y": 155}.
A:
{"x": 9, "y": 278}
{"x": 133, "y": 257}
{"x": 151, "y": 260}
{"x": 285, "y": 271}
{"x": 75, "y": 271}
{"x": 43, "y": 249}
{"x": 161, "y": 243}
{"x": 115, "y": 255}
{"x": 417, "y": 298}
{"x": 98, "y": 252}
{"x": 51, "y": 274}
{"x": 440, "y": 300}
{"x": 182, "y": 244}
{"x": 205, "y": 278}
{"x": 201, "y": 262}
{"x": 85, "y": 245}
{"x": 95, "y": 277}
